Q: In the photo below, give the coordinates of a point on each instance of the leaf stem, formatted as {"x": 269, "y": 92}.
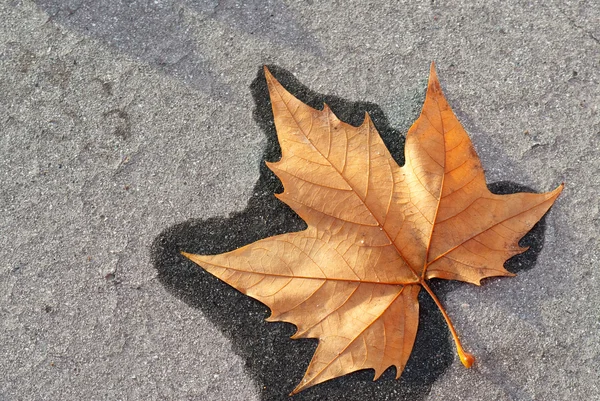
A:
{"x": 466, "y": 358}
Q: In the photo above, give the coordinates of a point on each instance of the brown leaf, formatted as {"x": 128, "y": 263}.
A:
{"x": 376, "y": 232}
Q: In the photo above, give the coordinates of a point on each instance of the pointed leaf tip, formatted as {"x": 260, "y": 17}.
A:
{"x": 268, "y": 76}
{"x": 433, "y": 78}
{"x": 367, "y": 119}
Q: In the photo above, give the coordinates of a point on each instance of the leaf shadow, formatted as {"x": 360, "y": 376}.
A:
{"x": 276, "y": 362}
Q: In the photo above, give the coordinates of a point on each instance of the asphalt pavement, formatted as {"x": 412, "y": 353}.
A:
{"x": 131, "y": 130}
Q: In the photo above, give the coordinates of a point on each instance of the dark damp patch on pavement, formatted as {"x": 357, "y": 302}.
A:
{"x": 276, "y": 362}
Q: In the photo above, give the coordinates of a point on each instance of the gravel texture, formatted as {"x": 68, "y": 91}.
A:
{"x": 130, "y": 130}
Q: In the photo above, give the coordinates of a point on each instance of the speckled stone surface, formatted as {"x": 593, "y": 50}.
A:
{"x": 130, "y": 130}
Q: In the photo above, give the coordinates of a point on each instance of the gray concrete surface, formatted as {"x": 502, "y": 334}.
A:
{"x": 128, "y": 129}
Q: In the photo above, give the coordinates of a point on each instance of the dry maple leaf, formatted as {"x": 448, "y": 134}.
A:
{"x": 376, "y": 232}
